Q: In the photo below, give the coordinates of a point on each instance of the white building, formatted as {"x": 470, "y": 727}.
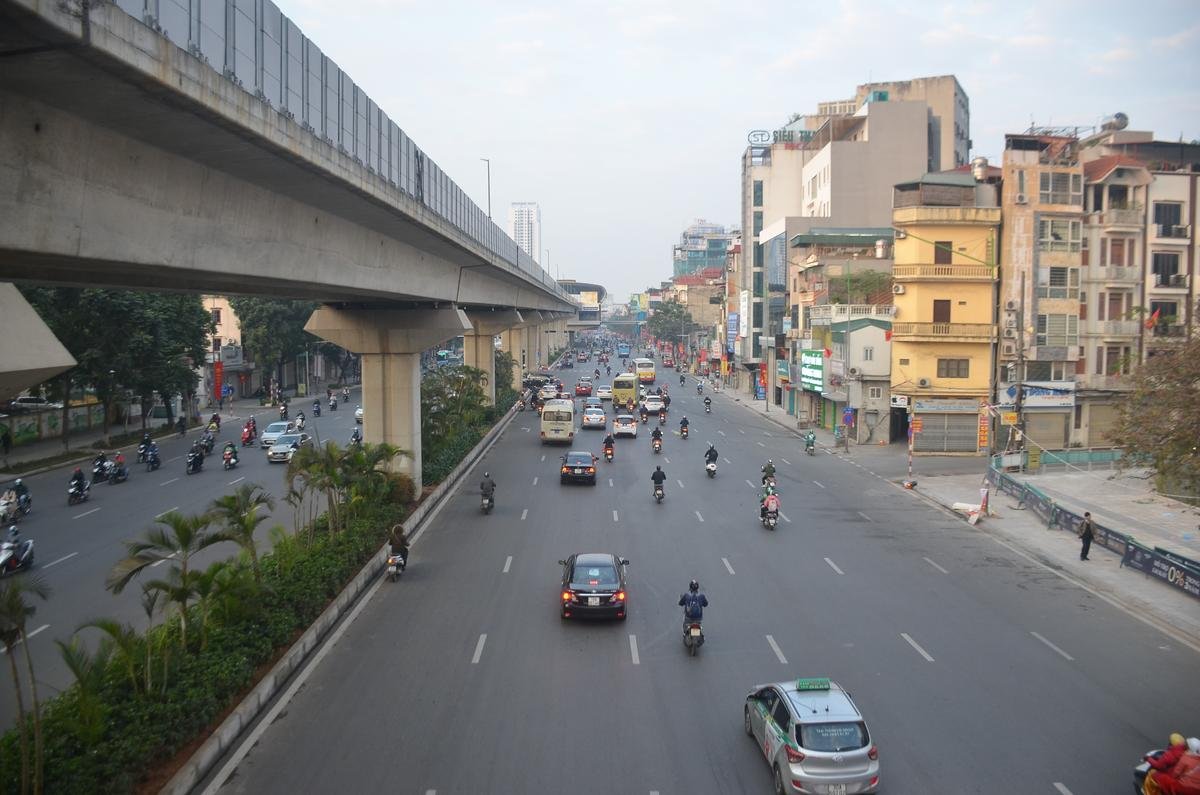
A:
{"x": 525, "y": 227}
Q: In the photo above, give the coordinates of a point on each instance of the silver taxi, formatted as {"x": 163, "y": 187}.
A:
{"x": 813, "y": 736}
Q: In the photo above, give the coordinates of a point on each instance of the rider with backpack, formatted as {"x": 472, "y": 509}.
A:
{"x": 693, "y": 603}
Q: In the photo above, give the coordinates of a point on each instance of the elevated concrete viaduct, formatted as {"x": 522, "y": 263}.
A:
{"x": 132, "y": 155}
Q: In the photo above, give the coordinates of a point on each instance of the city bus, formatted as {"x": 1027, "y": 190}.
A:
{"x": 625, "y": 389}
{"x": 558, "y": 421}
{"x": 623, "y": 350}
{"x": 644, "y": 369}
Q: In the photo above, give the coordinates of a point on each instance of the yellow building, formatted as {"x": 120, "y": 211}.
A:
{"x": 944, "y": 332}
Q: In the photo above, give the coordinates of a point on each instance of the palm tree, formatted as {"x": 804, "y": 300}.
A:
{"x": 89, "y": 670}
{"x": 125, "y": 640}
{"x": 318, "y": 469}
{"x": 240, "y": 514}
{"x": 185, "y": 538}
{"x": 150, "y": 599}
{"x": 15, "y": 612}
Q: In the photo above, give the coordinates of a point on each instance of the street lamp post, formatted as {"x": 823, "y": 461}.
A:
{"x": 489, "y": 185}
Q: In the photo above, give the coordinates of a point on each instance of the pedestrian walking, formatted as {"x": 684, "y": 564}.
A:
{"x": 1087, "y": 531}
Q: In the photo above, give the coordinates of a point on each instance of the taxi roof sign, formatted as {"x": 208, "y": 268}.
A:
{"x": 813, "y": 683}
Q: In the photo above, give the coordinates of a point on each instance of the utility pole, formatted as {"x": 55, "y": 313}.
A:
{"x": 489, "y": 185}
{"x": 1020, "y": 400}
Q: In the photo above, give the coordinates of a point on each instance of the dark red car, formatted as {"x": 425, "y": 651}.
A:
{"x": 583, "y": 389}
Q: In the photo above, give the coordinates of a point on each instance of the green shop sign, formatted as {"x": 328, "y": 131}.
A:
{"x": 812, "y": 370}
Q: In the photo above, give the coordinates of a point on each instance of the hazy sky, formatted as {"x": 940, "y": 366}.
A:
{"x": 626, "y": 119}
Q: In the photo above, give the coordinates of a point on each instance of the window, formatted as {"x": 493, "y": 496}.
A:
{"x": 874, "y": 392}
{"x": 1078, "y": 416}
{"x": 1057, "y": 282}
{"x": 216, "y": 317}
{"x": 1116, "y": 252}
{"x": 216, "y": 344}
{"x": 904, "y": 362}
{"x": 1046, "y": 371}
{"x": 1083, "y": 304}
{"x": 1165, "y": 266}
{"x": 780, "y": 716}
{"x": 758, "y": 282}
{"x": 1116, "y": 306}
{"x": 758, "y": 222}
{"x": 1084, "y": 258}
{"x": 1057, "y": 330}
{"x": 1021, "y": 182}
{"x": 941, "y": 311}
{"x": 1059, "y": 234}
{"x": 954, "y": 368}
{"x": 756, "y": 314}
{"x": 1167, "y": 214}
{"x": 1061, "y": 187}
{"x": 943, "y": 251}
{"x": 832, "y": 737}
{"x": 758, "y": 193}
{"x": 758, "y": 255}
{"x": 868, "y": 353}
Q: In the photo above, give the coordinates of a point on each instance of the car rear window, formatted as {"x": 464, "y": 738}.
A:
{"x": 277, "y": 427}
{"x": 594, "y": 575}
{"x": 556, "y": 416}
{"x": 831, "y": 737}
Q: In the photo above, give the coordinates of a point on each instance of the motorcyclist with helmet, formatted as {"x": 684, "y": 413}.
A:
{"x": 683, "y": 427}
{"x": 693, "y": 603}
{"x": 487, "y": 486}
{"x": 768, "y": 471}
{"x": 710, "y": 455}
{"x": 659, "y": 477}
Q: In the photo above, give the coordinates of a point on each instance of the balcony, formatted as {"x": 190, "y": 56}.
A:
{"x": 944, "y": 332}
{"x": 946, "y": 216}
{"x": 1168, "y": 332}
{"x": 944, "y": 273}
{"x": 1122, "y": 217}
{"x": 1112, "y": 274}
{"x": 1115, "y": 328}
{"x": 828, "y": 314}
{"x": 1170, "y": 281}
{"x": 1172, "y": 232}
{"x": 1109, "y": 382}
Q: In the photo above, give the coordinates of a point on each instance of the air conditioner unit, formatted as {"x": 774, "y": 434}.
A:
{"x": 1010, "y": 322}
{"x": 1010, "y": 333}
{"x": 853, "y": 371}
{"x": 1012, "y": 306}
{"x": 1008, "y": 349}
{"x": 1020, "y": 199}
{"x": 924, "y": 382}
{"x": 898, "y": 289}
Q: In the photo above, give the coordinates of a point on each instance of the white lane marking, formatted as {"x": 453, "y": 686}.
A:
{"x": 680, "y": 482}
{"x": 615, "y": 519}
{"x": 834, "y": 566}
{"x": 775, "y": 648}
{"x": 158, "y": 563}
{"x": 525, "y": 429}
{"x": 767, "y": 433}
{"x": 172, "y": 460}
{"x": 727, "y": 566}
{"x": 741, "y": 431}
{"x": 28, "y": 635}
{"x": 543, "y": 458}
{"x": 269, "y": 720}
{"x": 698, "y": 516}
{"x": 666, "y": 459}
{"x": 916, "y": 646}
{"x": 479, "y": 649}
{"x": 760, "y": 444}
{"x": 939, "y": 568}
{"x": 863, "y": 515}
{"x": 610, "y": 483}
{"x": 233, "y": 482}
{"x": 535, "y": 480}
{"x": 784, "y": 460}
{"x": 1051, "y": 645}
{"x": 726, "y": 460}
{"x": 783, "y": 516}
{"x": 507, "y": 564}
{"x": 633, "y": 652}
{"x": 751, "y": 485}
{"x": 168, "y": 482}
{"x": 720, "y": 431}
{"x": 164, "y": 513}
{"x": 430, "y": 792}
{"x": 85, "y": 513}
{"x": 524, "y": 513}
{"x": 1062, "y": 788}
{"x": 60, "y": 560}
{"x": 818, "y": 483}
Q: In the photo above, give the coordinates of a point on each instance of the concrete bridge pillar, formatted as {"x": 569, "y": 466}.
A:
{"x": 390, "y": 342}
{"x": 479, "y": 349}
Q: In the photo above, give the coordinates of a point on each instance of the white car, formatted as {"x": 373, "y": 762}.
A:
{"x": 625, "y": 425}
{"x": 595, "y": 418}
{"x": 274, "y": 431}
{"x": 286, "y": 445}
{"x": 604, "y": 392}
{"x": 548, "y": 392}
{"x": 653, "y": 404}
{"x": 358, "y": 414}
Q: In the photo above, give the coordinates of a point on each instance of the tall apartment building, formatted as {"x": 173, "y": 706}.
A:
{"x": 945, "y": 278}
{"x": 525, "y": 227}
{"x": 701, "y": 246}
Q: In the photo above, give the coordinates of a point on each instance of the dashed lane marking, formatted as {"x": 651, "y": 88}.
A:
{"x": 524, "y": 513}
{"x": 1062, "y": 788}
{"x": 818, "y": 483}
{"x": 168, "y": 482}
{"x": 699, "y": 516}
{"x": 633, "y": 651}
{"x": 783, "y": 516}
{"x": 784, "y": 460}
{"x": 543, "y": 458}
{"x": 158, "y": 563}
{"x": 760, "y": 444}
{"x": 834, "y": 566}
{"x": 234, "y": 482}
{"x": 728, "y": 568}
{"x": 535, "y": 480}
{"x": 741, "y": 431}
{"x": 863, "y": 515}
{"x": 666, "y": 459}
{"x": 720, "y": 431}
{"x": 479, "y": 649}
{"x": 775, "y": 648}
{"x": 680, "y": 482}
{"x": 28, "y": 635}
{"x": 164, "y": 513}
{"x": 939, "y": 568}
{"x": 615, "y": 518}
{"x": 768, "y": 433}
{"x": 726, "y": 460}
{"x": 85, "y": 513}
{"x": 751, "y": 485}
{"x": 1051, "y": 645}
{"x": 507, "y": 564}
{"x": 60, "y": 560}
{"x": 610, "y": 483}
{"x": 917, "y": 647}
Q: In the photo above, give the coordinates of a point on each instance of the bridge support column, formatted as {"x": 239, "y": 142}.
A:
{"x": 390, "y": 342}
{"x": 511, "y": 342}
{"x": 479, "y": 348}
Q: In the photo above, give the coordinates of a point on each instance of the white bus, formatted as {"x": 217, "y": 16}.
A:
{"x": 644, "y": 369}
{"x": 558, "y": 421}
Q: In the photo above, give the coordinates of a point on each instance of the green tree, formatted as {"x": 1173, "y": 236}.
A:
{"x": 504, "y": 367}
{"x": 861, "y": 287}
{"x": 1159, "y": 419}
{"x": 240, "y": 514}
{"x": 273, "y": 329}
{"x": 15, "y": 612}
{"x": 89, "y": 670}
{"x": 452, "y": 398}
{"x": 670, "y": 321}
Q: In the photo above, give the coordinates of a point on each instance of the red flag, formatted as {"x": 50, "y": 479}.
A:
{"x": 887, "y": 335}
{"x": 1153, "y": 319}
{"x": 828, "y": 353}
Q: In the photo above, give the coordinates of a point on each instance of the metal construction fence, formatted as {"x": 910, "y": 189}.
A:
{"x": 255, "y": 46}
{"x": 1175, "y": 570}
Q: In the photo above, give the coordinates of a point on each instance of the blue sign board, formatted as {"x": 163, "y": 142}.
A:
{"x": 731, "y": 330}
{"x": 847, "y": 416}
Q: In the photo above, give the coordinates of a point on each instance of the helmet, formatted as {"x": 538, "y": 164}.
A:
{"x": 486, "y": 475}
{"x": 77, "y": 471}
{"x": 17, "y": 482}
{"x": 658, "y": 469}
{"x": 693, "y": 586}
{"x": 13, "y": 532}
{"x": 769, "y": 461}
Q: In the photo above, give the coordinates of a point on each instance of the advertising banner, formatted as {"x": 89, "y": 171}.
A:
{"x": 744, "y": 314}
{"x": 812, "y": 370}
{"x": 218, "y": 377}
{"x": 783, "y": 373}
{"x": 731, "y": 332}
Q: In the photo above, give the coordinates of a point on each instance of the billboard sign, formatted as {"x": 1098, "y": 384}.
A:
{"x": 744, "y": 314}
{"x": 812, "y": 370}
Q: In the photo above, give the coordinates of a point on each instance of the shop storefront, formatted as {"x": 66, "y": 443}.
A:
{"x": 949, "y": 425}
{"x": 1048, "y": 407}
{"x": 812, "y": 383}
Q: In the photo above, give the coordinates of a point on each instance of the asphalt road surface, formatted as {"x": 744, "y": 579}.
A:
{"x": 978, "y": 669}
{"x": 76, "y": 546}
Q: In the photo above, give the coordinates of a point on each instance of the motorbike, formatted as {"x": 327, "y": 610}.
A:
{"x": 395, "y": 567}
{"x": 693, "y": 637}
{"x": 769, "y": 516}
{"x": 283, "y": 412}
{"x": 355, "y": 438}
{"x": 521, "y": 405}
{"x": 708, "y": 408}
{"x": 683, "y": 432}
{"x": 769, "y": 480}
{"x": 247, "y": 437}
{"x": 810, "y": 447}
{"x": 488, "y": 501}
{"x": 658, "y": 492}
{"x": 300, "y": 424}
{"x": 608, "y": 454}
{"x": 711, "y": 469}
{"x": 333, "y": 404}
{"x": 152, "y": 461}
{"x": 116, "y": 473}
{"x": 316, "y": 409}
{"x": 16, "y": 556}
{"x": 100, "y": 471}
{"x": 700, "y": 389}
{"x": 143, "y": 451}
{"x": 207, "y": 442}
{"x": 194, "y": 462}
{"x": 77, "y": 494}
{"x": 645, "y": 418}
{"x": 657, "y": 445}
{"x": 662, "y": 418}
{"x": 230, "y": 459}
